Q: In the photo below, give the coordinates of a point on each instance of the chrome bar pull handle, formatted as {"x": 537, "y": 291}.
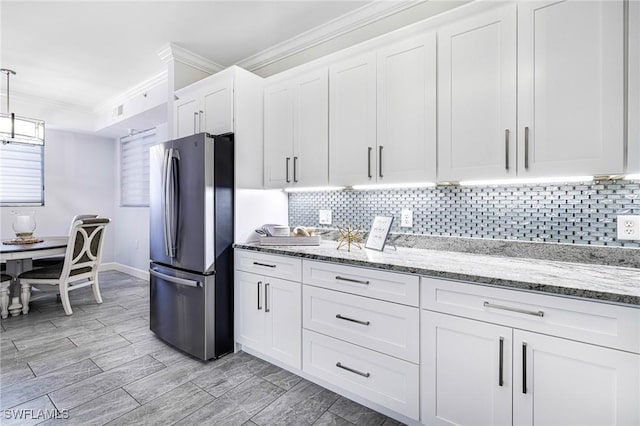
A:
{"x": 295, "y": 169}
{"x": 351, "y": 280}
{"x": 352, "y": 320}
{"x": 509, "y": 308}
{"x": 526, "y": 147}
{"x": 369, "y": 149}
{"x": 524, "y": 367}
{"x": 506, "y": 149}
{"x": 195, "y": 126}
{"x": 200, "y": 114}
{"x": 352, "y": 370}
{"x": 259, "y": 291}
{"x": 266, "y": 298}
{"x": 264, "y": 264}
{"x": 380, "y": 161}
{"x": 287, "y": 168}
{"x": 501, "y": 363}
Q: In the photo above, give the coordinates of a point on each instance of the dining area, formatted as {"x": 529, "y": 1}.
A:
{"x": 48, "y": 266}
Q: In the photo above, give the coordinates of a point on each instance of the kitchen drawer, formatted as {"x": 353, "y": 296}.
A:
{"x": 382, "y": 326}
{"x": 592, "y": 322}
{"x": 388, "y": 381}
{"x": 383, "y": 285}
{"x": 285, "y": 267}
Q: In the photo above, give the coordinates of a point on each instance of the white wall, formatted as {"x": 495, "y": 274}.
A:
{"x": 78, "y": 179}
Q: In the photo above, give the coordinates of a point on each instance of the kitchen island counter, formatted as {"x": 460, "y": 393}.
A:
{"x": 611, "y": 284}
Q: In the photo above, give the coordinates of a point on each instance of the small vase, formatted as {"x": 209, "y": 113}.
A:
{"x": 24, "y": 223}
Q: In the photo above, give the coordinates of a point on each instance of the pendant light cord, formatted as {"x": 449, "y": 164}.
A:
{"x": 8, "y": 72}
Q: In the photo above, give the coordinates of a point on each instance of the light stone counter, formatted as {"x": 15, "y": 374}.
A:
{"x": 605, "y": 283}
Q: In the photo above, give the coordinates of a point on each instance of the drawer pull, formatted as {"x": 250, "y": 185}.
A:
{"x": 352, "y": 320}
{"x": 360, "y": 373}
{"x": 259, "y": 291}
{"x": 264, "y": 264}
{"x": 508, "y": 308}
{"x": 351, "y": 280}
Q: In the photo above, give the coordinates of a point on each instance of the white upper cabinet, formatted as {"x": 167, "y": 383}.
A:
{"x": 352, "y": 118}
{"x": 477, "y": 97}
{"x": 205, "y": 108}
{"x": 311, "y": 129}
{"x": 570, "y": 88}
{"x": 406, "y": 119}
{"x": 217, "y": 107}
{"x": 278, "y": 135}
{"x": 296, "y": 132}
{"x": 225, "y": 102}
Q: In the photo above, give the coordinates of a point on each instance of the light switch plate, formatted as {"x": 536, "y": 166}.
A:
{"x": 324, "y": 217}
{"x": 628, "y": 227}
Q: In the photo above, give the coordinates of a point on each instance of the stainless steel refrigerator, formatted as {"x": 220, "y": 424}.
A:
{"x": 191, "y": 237}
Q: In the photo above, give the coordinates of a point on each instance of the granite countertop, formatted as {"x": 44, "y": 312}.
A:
{"x": 605, "y": 283}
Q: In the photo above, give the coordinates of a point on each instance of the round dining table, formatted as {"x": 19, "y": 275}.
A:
{"x": 19, "y": 259}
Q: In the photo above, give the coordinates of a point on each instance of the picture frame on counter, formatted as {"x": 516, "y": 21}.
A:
{"x": 379, "y": 232}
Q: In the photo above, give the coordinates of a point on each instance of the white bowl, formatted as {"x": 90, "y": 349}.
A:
{"x": 281, "y": 231}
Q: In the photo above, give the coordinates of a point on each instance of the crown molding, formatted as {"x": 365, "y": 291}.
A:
{"x": 133, "y": 91}
{"x": 352, "y": 21}
{"x": 173, "y": 52}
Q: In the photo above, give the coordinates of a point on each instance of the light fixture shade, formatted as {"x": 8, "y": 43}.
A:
{"x": 22, "y": 130}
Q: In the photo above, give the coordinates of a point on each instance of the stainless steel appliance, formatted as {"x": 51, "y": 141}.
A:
{"x": 191, "y": 237}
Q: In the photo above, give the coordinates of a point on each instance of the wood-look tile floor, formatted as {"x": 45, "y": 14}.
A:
{"x": 103, "y": 365}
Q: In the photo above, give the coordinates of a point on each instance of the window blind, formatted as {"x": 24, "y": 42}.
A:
{"x": 134, "y": 168}
{"x": 21, "y": 175}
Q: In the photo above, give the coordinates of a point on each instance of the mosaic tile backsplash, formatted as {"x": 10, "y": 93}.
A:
{"x": 573, "y": 213}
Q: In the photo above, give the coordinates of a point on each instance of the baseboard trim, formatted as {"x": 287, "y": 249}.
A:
{"x": 115, "y": 266}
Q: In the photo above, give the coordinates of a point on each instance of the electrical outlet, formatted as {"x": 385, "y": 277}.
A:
{"x": 628, "y": 227}
{"x": 406, "y": 218}
{"x": 324, "y": 217}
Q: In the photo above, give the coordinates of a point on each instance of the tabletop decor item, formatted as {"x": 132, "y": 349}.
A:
{"x": 349, "y": 235}
{"x": 24, "y": 223}
{"x": 379, "y": 232}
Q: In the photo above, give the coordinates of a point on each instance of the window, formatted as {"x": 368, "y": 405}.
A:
{"x": 21, "y": 175}
{"x": 134, "y": 168}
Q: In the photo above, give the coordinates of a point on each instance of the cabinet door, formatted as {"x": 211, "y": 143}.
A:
{"x": 283, "y": 310}
{"x": 477, "y": 104}
{"x": 466, "y": 371}
{"x": 311, "y": 129}
{"x": 217, "y": 104}
{"x": 570, "y": 87}
{"x": 562, "y": 382}
{"x": 352, "y": 124}
{"x": 278, "y": 136}
{"x": 406, "y": 120}
{"x": 249, "y": 309}
{"x": 186, "y": 117}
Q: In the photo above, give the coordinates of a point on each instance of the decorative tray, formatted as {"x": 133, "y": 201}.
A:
{"x": 20, "y": 241}
{"x": 290, "y": 241}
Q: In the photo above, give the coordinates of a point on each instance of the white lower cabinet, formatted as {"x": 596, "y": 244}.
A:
{"x": 466, "y": 371}
{"x": 268, "y": 316}
{"x": 479, "y": 373}
{"x": 562, "y": 382}
{"x": 382, "y": 379}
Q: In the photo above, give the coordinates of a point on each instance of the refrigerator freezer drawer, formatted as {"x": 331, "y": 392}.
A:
{"x": 182, "y": 310}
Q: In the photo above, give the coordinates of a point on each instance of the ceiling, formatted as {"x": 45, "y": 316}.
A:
{"x": 82, "y": 53}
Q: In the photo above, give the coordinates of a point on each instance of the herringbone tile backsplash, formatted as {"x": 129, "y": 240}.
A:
{"x": 582, "y": 213}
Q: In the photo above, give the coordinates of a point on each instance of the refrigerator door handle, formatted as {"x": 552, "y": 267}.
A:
{"x": 173, "y": 206}
{"x": 165, "y": 200}
{"x": 175, "y": 280}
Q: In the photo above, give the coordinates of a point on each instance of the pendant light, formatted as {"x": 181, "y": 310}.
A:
{"x": 21, "y": 130}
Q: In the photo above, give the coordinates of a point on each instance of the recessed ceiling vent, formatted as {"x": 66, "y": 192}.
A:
{"x": 118, "y": 111}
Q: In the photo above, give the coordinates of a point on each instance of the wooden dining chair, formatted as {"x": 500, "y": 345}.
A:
{"x": 79, "y": 269}
{"x": 5, "y": 283}
{"x": 54, "y": 260}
